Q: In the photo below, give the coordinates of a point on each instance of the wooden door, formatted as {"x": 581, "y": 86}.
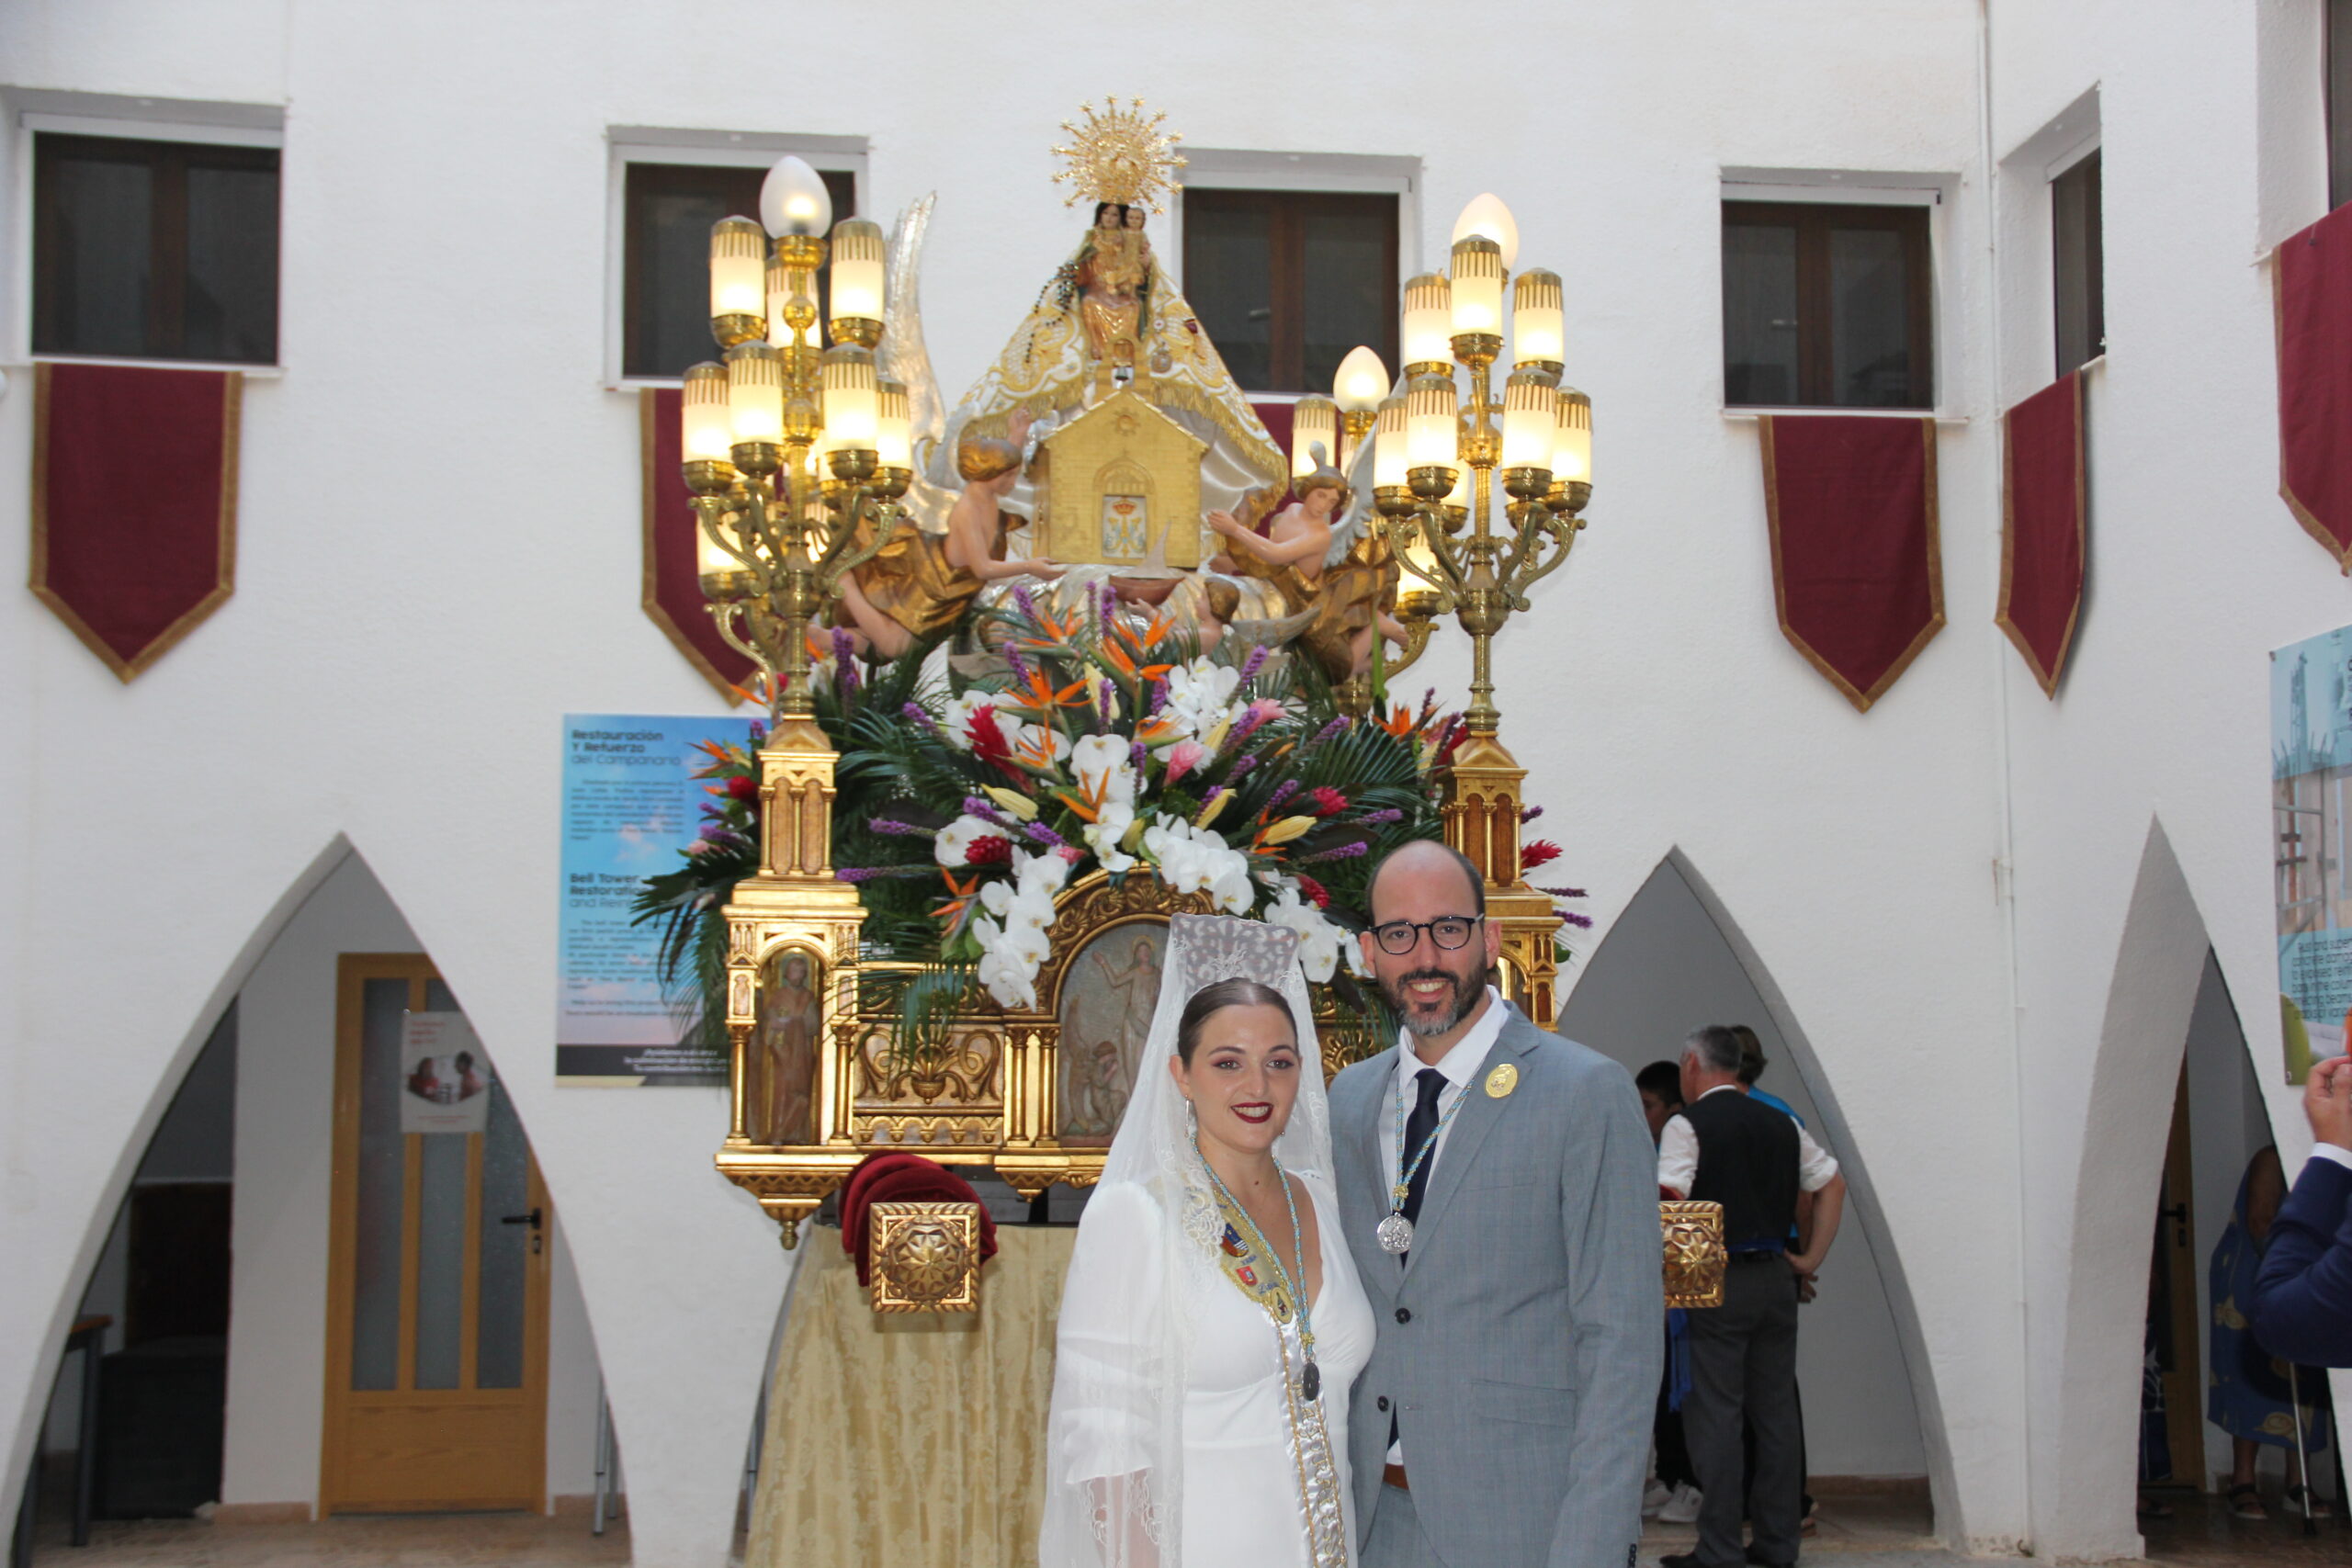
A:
{"x": 437, "y": 1287}
{"x": 2173, "y": 1301}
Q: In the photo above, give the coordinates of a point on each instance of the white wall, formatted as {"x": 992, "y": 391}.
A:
{"x": 285, "y": 1154}
{"x": 1665, "y": 971}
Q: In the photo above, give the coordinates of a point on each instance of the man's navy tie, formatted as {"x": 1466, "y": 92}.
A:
{"x": 1419, "y": 1126}
{"x": 1422, "y": 1122}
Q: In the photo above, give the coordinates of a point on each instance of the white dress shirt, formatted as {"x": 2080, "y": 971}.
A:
{"x": 2341, "y": 1156}
{"x": 1678, "y": 1152}
{"x": 1461, "y": 1066}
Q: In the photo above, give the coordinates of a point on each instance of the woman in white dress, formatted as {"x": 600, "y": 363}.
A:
{"x": 1212, "y": 1322}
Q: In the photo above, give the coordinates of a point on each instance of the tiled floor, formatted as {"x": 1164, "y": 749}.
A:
{"x": 1868, "y": 1531}
{"x": 383, "y": 1541}
{"x": 2202, "y": 1534}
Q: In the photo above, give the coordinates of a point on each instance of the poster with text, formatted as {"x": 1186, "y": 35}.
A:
{"x": 444, "y": 1074}
{"x": 630, "y": 803}
{"x": 2310, "y": 798}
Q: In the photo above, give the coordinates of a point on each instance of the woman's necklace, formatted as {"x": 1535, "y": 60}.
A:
{"x": 1310, "y": 1381}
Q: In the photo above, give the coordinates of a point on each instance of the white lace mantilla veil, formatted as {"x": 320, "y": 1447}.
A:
{"x": 1115, "y": 1441}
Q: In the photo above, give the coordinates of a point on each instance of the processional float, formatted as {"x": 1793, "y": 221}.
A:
{"x": 1144, "y": 713}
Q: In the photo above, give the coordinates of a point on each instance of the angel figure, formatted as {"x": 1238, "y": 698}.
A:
{"x": 919, "y": 583}
{"x": 1295, "y": 542}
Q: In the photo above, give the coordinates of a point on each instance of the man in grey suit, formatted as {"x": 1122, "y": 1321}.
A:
{"x": 1504, "y": 1417}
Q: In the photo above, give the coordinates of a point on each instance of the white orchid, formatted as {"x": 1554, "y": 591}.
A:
{"x": 963, "y": 713}
{"x": 1320, "y": 943}
{"x": 1102, "y": 835}
{"x": 1100, "y": 764}
{"x": 954, "y": 847}
{"x": 1200, "y": 695}
{"x": 1195, "y": 860}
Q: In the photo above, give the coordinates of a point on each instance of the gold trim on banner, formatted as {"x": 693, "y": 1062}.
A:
{"x": 224, "y": 571}
{"x": 1854, "y": 694}
{"x": 2048, "y": 679}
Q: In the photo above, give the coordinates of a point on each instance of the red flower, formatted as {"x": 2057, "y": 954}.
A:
{"x": 1314, "y": 892}
{"x": 743, "y": 788}
{"x": 1326, "y": 801}
{"x": 989, "y": 851}
{"x": 987, "y": 738}
{"x": 1543, "y": 852}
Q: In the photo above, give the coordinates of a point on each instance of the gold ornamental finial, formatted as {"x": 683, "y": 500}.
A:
{"x": 1119, "y": 155}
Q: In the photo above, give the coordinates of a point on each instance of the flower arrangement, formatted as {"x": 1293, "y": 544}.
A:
{"x": 1099, "y": 744}
{"x": 1108, "y": 745}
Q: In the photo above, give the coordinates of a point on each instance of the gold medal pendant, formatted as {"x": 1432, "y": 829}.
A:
{"x": 1501, "y": 1081}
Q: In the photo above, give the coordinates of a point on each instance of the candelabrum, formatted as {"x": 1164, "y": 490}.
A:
{"x": 1438, "y": 456}
{"x": 1442, "y": 453}
{"x": 797, "y": 455}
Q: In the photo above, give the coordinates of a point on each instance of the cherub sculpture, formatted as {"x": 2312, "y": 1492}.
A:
{"x": 919, "y": 584}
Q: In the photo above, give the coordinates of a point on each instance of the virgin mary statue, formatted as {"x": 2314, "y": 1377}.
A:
{"x": 1112, "y": 303}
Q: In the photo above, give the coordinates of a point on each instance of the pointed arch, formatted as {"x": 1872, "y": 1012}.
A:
{"x": 1675, "y": 879}
{"x": 2084, "y": 1494}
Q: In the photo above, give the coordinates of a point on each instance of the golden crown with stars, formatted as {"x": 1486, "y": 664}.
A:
{"x": 1119, "y": 155}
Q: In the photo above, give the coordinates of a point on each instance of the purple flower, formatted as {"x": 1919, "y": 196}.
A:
{"x": 890, "y": 829}
{"x": 1256, "y": 662}
{"x": 873, "y": 873}
{"x": 1287, "y": 788}
{"x": 1211, "y": 798}
{"x": 1374, "y": 818}
{"x": 1102, "y": 704}
{"x": 1241, "y": 766}
{"x": 1159, "y": 698}
{"x": 1349, "y": 851}
{"x": 984, "y": 809}
{"x": 1025, "y": 602}
{"x": 1531, "y": 814}
{"x": 759, "y": 732}
{"x": 1039, "y": 833}
{"x": 1136, "y": 755}
{"x": 846, "y": 661}
{"x": 917, "y": 713}
{"x": 1020, "y": 665}
{"x": 1582, "y": 922}
{"x": 1330, "y": 729}
{"x": 715, "y": 830}
{"x": 1563, "y": 892}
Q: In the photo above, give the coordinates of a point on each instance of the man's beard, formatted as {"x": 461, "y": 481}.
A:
{"x": 1466, "y": 993}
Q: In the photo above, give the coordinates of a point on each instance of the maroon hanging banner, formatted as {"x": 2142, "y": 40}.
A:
{"x": 134, "y": 503}
{"x": 673, "y": 589}
{"x": 2045, "y": 510}
{"x": 2312, "y": 281}
{"x": 1856, "y": 566}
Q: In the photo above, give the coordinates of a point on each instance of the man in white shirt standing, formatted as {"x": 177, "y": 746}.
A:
{"x": 1497, "y": 1188}
{"x": 1726, "y": 1148}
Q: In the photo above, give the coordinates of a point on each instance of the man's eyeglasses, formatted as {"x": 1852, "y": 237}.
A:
{"x": 1449, "y": 932}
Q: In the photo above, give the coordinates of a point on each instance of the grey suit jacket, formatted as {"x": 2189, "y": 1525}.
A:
{"x": 1519, "y": 1344}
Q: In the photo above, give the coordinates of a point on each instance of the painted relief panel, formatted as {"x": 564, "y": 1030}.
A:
{"x": 1107, "y": 997}
{"x": 787, "y": 1042}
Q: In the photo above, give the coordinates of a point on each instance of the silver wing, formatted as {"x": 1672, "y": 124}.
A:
{"x": 1348, "y": 526}
{"x": 906, "y": 358}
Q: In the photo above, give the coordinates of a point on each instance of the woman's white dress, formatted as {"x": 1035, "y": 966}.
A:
{"x": 1240, "y": 1488}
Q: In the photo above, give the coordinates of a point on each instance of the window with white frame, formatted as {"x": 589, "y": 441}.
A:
{"x": 668, "y": 198}
{"x": 149, "y": 248}
{"x": 2079, "y": 303}
{"x": 1286, "y": 282}
{"x": 1826, "y": 305}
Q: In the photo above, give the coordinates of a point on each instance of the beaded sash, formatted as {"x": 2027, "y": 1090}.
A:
{"x": 1321, "y": 1516}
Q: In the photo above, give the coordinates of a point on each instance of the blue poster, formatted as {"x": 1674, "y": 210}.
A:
{"x": 2311, "y": 783}
{"x": 630, "y": 803}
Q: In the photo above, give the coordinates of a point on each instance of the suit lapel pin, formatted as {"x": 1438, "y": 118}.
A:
{"x": 1501, "y": 1081}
